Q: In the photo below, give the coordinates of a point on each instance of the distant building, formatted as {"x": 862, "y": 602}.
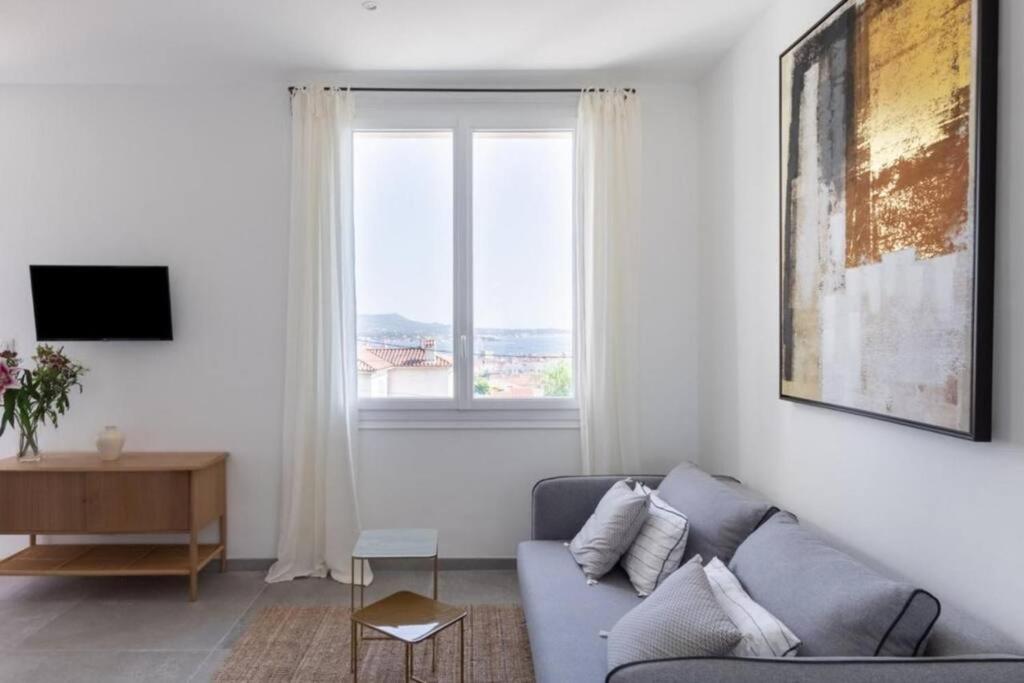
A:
{"x": 416, "y": 372}
{"x": 516, "y": 386}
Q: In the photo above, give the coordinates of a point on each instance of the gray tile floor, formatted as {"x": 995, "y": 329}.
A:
{"x": 144, "y": 629}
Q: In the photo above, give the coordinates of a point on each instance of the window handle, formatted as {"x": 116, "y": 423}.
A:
{"x": 463, "y": 345}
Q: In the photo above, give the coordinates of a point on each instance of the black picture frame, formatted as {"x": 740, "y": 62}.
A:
{"x": 986, "y": 84}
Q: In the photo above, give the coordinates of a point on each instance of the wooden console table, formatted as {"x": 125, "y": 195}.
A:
{"x": 141, "y": 493}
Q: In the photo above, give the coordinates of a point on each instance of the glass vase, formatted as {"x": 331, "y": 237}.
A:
{"x": 28, "y": 445}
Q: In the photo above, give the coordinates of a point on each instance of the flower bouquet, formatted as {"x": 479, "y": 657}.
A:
{"x": 30, "y": 398}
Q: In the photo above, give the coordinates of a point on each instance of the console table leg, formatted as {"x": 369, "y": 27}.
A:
{"x": 224, "y": 542}
{"x": 193, "y": 565}
{"x": 31, "y": 539}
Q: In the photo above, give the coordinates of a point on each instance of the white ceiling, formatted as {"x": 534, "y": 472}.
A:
{"x": 133, "y": 41}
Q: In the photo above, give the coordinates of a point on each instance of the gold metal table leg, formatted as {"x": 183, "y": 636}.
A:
{"x": 433, "y": 646}
{"x": 352, "y": 601}
{"x": 355, "y": 654}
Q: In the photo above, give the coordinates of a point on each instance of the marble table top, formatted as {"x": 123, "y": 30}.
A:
{"x": 396, "y": 543}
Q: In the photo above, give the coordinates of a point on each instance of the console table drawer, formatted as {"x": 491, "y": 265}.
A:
{"x": 136, "y": 502}
{"x": 42, "y": 502}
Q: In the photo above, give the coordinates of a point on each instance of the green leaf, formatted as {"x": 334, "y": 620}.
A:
{"x": 10, "y": 403}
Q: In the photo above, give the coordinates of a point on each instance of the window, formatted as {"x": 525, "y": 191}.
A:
{"x": 403, "y": 209}
{"x": 465, "y": 261}
{"x": 522, "y": 264}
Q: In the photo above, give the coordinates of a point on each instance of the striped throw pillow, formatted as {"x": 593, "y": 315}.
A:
{"x": 763, "y": 634}
{"x": 658, "y": 548}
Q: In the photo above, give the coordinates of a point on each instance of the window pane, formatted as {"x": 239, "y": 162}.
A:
{"x": 522, "y": 264}
{"x": 403, "y": 229}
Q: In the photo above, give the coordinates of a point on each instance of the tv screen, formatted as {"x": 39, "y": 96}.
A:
{"x": 100, "y": 303}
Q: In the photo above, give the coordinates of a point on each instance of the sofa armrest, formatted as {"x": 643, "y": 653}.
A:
{"x": 979, "y": 669}
{"x": 562, "y": 504}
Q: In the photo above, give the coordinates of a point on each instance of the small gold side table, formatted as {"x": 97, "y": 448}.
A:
{"x": 392, "y": 544}
{"x": 409, "y": 618}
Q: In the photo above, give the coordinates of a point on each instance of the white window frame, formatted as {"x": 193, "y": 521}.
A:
{"x": 463, "y": 115}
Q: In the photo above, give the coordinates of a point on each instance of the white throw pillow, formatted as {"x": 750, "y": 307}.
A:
{"x": 658, "y": 548}
{"x": 763, "y": 634}
{"x": 609, "y": 532}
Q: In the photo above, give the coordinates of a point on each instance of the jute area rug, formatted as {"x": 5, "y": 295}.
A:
{"x": 285, "y": 643}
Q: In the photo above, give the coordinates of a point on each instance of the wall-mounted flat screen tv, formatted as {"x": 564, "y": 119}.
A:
{"x": 101, "y": 303}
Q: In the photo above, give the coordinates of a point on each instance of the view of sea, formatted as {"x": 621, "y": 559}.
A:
{"x": 515, "y": 343}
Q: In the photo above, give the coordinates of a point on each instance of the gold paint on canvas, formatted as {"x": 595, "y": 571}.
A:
{"x": 907, "y": 177}
{"x": 806, "y": 381}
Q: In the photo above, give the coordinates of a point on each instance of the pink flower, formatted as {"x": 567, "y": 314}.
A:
{"x": 8, "y": 380}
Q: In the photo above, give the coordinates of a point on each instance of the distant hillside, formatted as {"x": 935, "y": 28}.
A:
{"x": 388, "y": 324}
{"x": 393, "y": 324}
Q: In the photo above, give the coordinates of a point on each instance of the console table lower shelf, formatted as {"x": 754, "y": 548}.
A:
{"x": 107, "y": 560}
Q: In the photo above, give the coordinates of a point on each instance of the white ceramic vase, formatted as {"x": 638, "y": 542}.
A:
{"x": 110, "y": 443}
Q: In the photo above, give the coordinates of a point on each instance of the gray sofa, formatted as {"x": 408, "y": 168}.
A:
{"x": 565, "y": 616}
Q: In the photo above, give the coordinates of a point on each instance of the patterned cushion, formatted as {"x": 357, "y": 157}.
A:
{"x": 763, "y": 634}
{"x": 658, "y": 548}
{"x": 680, "y": 619}
{"x": 610, "y": 530}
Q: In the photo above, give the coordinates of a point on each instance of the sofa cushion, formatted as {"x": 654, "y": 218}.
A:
{"x": 565, "y": 616}
{"x": 658, "y": 548}
{"x": 721, "y": 515}
{"x": 682, "y": 618}
{"x": 835, "y": 604}
{"x": 609, "y": 532}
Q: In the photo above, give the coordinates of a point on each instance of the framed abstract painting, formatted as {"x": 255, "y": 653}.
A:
{"x": 887, "y": 149}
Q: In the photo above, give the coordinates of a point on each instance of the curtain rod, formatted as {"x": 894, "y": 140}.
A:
{"x": 292, "y": 89}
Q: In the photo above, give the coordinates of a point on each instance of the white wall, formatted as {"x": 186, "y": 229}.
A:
{"x": 197, "y": 178}
{"x": 194, "y": 179}
{"x": 938, "y": 510}
{"x": 420, "y": 382}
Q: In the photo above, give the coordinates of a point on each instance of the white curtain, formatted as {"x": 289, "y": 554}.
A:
{"x": 608, "y": 198}
{"x": 319, "y": 509}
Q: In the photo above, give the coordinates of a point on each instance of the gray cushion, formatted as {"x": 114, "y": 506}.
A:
{"x": 721, "y": 515}
{"x": 835, "y": 604}
{"x": 565, "y": 616}
{"x": 681, "y": 618}
{"x": 610, "y": 530}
